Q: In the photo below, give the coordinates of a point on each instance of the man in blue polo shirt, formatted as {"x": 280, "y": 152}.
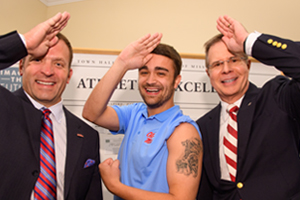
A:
{"x": 161, "y": 154}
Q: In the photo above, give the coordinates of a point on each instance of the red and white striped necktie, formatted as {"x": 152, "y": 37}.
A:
{"x": 230, "y": 141}
{"x": 45, "y": 187}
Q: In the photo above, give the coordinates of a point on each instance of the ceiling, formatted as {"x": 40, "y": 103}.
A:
{"x": 57, "y": 2}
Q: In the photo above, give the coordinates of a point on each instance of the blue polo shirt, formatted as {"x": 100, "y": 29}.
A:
{"x": 143, "y": 153}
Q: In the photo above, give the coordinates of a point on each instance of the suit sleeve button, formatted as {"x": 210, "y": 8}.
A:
{"x": 284, "y": 46}
{"x": 240, "y": 185}
{"x": 270, "y": 41}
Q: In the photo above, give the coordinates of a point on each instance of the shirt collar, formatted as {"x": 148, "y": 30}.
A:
{"x": 224, "y": 106}
{"x": 56, "y": 110}
{"x": 163, "y": 115}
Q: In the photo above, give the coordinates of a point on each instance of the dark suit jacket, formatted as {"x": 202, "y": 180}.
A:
{"x": 20, "y": 140}
{"x": 268, "y": 163}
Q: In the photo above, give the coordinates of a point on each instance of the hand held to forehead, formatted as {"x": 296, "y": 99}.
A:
{"x": 136, "y": 54}
{"x": 43, "y": 36}
{"x": 234, "y": 33}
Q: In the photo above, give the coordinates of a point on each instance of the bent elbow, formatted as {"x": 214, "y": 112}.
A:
{"x": 86, "y": 114}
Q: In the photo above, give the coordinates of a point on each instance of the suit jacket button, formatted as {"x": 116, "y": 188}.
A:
{"x": 240, "y": 185}
{"x": 35, "y": 173}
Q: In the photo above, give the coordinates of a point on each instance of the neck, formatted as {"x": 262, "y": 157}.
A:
{"x": 162, "y": 108}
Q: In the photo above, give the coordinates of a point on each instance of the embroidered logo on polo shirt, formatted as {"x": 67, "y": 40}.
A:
{"x": 150, "y": 136}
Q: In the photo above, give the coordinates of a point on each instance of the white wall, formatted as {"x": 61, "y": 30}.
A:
{"x": 186, "y": 24}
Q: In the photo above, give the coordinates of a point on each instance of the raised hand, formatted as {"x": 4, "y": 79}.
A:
{"x": 136, "y": 54}
{"x": 234, "y": 33}
{"x": 43, "y": 36}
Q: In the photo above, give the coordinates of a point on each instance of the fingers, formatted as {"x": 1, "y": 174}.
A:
{"x": 56, "y": 24}
{"x": 115, "y": 163}
{"x": 58, "y": 21}
{"x": 52, "y": 42}
{"x": 225, "y": 25}
{"x": 53, "y": 20}
{"x": 108, "y": 161}
{"x": 153, "y": 40}
{"x": 62, "y": 23}
{"x": 43, "y": 36}
{"x": 150, "y": 41}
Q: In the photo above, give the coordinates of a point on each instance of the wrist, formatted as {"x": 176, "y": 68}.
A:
{"x": 249, "y": 42}
{"x": 121, "y": 64}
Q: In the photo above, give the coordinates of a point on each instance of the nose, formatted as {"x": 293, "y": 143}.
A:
{"x": 226, "y": 67}
{"x": 47, "y": 68}
{"x": 151, "y": 79}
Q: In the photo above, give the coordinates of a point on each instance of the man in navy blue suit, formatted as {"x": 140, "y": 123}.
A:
{"x": 264, "y": 157}
{"x": 45, "y": 71}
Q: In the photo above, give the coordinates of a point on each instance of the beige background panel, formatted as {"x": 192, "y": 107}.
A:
{"x": 186, "y": 24}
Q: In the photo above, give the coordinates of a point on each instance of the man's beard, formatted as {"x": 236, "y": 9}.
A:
{"x": 160, "y": 101}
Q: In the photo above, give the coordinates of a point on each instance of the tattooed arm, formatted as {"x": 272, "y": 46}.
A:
{"x": 184, "y": 167}
{"x": 185, "y": 162}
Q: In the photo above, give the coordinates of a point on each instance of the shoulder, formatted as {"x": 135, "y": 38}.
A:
{"x": 187, "y": 129}
{"x": 210, "y": 114}
{"x": 130, "y": 107}
{"x": 185, "y": 136}
{"x": 76, "y": 121}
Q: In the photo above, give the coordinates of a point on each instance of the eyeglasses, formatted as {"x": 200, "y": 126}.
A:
{"x": 232, "y": 62}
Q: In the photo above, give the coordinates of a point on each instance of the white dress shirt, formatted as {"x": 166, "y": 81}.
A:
{"x": 224, "y": 116}
{"x": 60, "y": 142}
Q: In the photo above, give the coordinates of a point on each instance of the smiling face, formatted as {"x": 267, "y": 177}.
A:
{"x": 45, "y": 79}
{"x": 157, "y": 83}
{"x": 230, "y": 81}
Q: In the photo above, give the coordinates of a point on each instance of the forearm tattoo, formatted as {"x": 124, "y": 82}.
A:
{"x": 189, "y": 162}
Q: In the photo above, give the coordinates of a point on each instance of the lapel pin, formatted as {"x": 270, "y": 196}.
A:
{"x": 80, "y": 135}
{"x": 249, "y": 104}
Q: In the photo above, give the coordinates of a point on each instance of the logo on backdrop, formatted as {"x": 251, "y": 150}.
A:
{"x": 10, "y": 79}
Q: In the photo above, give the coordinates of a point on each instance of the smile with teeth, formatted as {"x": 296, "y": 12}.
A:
{"x": 45, "y": 83}
{"x": 152, "y": 90}
{"x": 229, "y": 80}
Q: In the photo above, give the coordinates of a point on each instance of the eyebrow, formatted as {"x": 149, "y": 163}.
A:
{"x": 156, "y": 68}
{"x": 59, "y": 59}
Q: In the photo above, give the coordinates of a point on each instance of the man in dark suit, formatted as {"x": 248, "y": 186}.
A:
{"x": 262, "y": 160}
{"x": 46, "y": 71}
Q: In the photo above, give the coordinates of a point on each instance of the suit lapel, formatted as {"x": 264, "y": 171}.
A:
{"x": 245, "y": 118}
{"x": 74, "y": 144}
{"x": 33, "y": 118}
{"x": 213, "y": 139}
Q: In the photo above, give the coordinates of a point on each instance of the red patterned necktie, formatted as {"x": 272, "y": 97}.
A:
{"x": 45, "y": 187}
{"x": 230, "y": 141}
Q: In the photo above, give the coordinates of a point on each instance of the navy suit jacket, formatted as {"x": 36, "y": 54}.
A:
{"x": 268, "y": 165}
{"x": 20, "y": 125}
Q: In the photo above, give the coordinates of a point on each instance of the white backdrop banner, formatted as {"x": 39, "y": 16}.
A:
{"x": 194, "y": 95}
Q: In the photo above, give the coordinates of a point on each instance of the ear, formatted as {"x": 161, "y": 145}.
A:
{"x": 21, "y": 66}
{"x": 177, "y": 81}
{"x": 249, "y": 64}
{"x": 207, "y": 72}
{"x": 70, "y": 75}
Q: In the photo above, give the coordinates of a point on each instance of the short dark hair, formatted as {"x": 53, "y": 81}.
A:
{"x": 60, "y": 36}
{"x": 170, "y": 52}
{"x": 211, "y": 42}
